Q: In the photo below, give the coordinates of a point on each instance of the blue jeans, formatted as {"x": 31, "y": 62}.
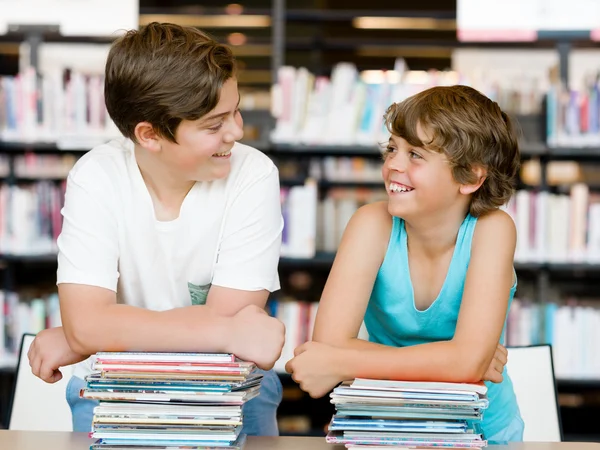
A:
{"x": 260, "y": 413}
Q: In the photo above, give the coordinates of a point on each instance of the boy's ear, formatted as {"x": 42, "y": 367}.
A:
{"x": 480, "y": 175}
{"x": 147, "y": 137}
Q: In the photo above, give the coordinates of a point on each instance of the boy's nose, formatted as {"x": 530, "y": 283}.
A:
{"x": 398, "y": 162}
{"x": 235, "y": 133}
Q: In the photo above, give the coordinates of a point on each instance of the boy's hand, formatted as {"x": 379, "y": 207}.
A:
{"x": 256, "y": 337}
{"x": 48, "y": 352}
{"x": 494, "y": 372}
{"x": 315, "y": 368}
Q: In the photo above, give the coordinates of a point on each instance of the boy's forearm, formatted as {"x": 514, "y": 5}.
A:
{"x": 128, "y": 328}
{"x": 436, "y": 361}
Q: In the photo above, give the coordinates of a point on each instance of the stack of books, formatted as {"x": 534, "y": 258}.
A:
{"x": 381, "y": 413}
{"x": 169, "y": 400}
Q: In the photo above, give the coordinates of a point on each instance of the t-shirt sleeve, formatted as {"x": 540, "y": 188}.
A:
{"x": 88, "y": 243}
{"x": 250, "y": 245}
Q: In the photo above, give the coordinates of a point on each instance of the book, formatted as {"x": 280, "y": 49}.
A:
{"x": 165, "y": 357}
{"x": 425, "y": 386}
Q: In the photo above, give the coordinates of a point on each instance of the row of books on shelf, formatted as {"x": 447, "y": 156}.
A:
{"x": 571, "y": 326}
{"x": 550, "y": 227}
{"x": 573, "y": 117}
{"x": 299, "y": 320}
{"x": 314, "y": 225}
{"x": 30, "y": 218}
{"x": 60, "y": 106}
{"x": 67, "y": 106}
{"x": 347, "y": 108}
{"x": 33, "y": 166}
{"x": 24, "y": 313}
{"x": 557, "y": 227}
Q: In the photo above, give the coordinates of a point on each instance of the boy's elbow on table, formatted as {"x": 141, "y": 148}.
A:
{"x": 469, "y": 366}
{"x": 77, "y": 339}
{"x": 81, "y": 336}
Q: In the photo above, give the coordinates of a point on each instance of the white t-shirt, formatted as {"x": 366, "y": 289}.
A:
{"x": 228, "y": 232}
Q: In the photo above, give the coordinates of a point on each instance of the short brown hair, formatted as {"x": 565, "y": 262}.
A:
{"x": 163, "y": 74}
{"x": 471, "y": 130}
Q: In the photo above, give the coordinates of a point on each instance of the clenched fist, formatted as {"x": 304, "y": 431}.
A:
{"x": 257, "y": 337}
{"x": 494, "y": 371}
{"x": 48, "y": 352}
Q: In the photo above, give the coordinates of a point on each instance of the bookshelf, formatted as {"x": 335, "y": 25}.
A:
{"x": 319, "y": 38}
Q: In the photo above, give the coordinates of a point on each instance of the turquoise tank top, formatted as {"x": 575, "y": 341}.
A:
{"x": 392, "y": 319}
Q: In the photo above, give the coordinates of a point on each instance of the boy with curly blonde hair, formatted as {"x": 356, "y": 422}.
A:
{"x": 430, "y": 270}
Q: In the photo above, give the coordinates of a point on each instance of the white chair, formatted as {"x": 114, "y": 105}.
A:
{"x": 37, "y": 405}
{"x": 532, "y": 373}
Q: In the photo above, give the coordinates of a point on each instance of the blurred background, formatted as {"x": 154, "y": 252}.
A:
{"x": 315, "y": 78}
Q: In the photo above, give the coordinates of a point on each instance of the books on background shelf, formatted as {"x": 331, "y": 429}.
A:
{"x": 30, "y": 219}
{"x": 33, "y": 166}
{"x": 348, "y": 107}
{"x": 557, "y": 227}
{"x": 516, "y": 78}
{"x": 573, "y": 116}
{"x": 384, "y": 413}
{"x": 63, "y": 102}
{"x": 299, "y": 320}
{"x": 169, "y": 400}
{"x": 312, "y": 225}
{"x": 571, "y": 326}
{"x": 531, "y": 78}
{"x": 21, "y": 313}
{"x": 62, "y": 106}
{"x": 299, "y": 209}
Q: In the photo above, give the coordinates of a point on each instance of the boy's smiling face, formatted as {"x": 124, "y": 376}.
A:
{"x": 418, "y": 181}
{"x": 203, "y": 148}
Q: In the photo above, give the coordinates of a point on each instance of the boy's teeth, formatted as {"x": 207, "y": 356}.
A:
{"x": 222, "y": 154}
{"x": 399, "y": 188}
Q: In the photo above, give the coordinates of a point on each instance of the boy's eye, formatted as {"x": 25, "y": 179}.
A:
{"x": 414, "y": 155}
{"x": 216, "y": 127}
{"x": 387, "y": 151}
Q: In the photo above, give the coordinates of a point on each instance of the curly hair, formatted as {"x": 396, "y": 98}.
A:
{"x": 471, "y": 130}
{"x": 162, "y": 74}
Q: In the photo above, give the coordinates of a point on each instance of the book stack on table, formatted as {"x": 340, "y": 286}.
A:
{"x": 169, "y": 400}
{"x": 374, "y": 414}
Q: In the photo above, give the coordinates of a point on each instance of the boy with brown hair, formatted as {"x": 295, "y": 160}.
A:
{"x": 430, "y": 270}
{"x": 171, "y": 235}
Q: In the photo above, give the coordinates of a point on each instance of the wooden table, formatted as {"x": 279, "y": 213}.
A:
{"x": 44, "y": 440}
